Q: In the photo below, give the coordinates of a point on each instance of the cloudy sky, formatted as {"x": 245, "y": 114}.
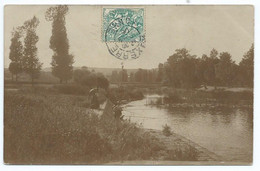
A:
{"x": 197, "y": 28}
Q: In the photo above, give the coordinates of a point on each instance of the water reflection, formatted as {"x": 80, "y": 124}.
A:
{"x": 226, "y": 131}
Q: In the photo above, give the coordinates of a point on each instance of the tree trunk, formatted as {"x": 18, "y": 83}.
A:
{"x": 12, "y": 77}
{"x": 61, "y": 81}
{"x": 16, "y": 78}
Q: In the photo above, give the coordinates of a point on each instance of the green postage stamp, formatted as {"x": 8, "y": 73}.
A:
{"x": 123, "y": 31}
{"x": 123, "y": 24}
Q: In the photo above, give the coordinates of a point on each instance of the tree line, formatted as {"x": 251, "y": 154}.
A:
{"x": 184, "y": 70}
{"x": 23, "y": 49}
{"x": 181, "y": 70}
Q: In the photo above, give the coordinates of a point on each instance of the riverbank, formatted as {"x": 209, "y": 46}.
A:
{"x": 176, "y": 141}
{"x": 226, "y": 131}
{"x": 177, "y": 145}
{"x": 59, "y": 130}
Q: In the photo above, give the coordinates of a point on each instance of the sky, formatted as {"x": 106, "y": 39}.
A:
{"x": 167, "y": 28}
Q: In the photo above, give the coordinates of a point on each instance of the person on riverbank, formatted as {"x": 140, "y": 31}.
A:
{"x": 94, "y": 103}
{"x": 118, "y": 112}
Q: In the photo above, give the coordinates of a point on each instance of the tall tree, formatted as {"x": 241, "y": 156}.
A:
{"x": 226, "y": 69}
{"x": 181, "y": 69}
{"x": 247, "y": 67}
{"x": 61, "y": 60}
{"x": 16, "y": 54}
{"x": 160, "y": 76}
{"x": 30, "y": 62}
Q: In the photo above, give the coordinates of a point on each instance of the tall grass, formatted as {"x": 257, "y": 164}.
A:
{"x": 52, "y": 129}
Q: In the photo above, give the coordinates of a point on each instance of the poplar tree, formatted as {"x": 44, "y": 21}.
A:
{"x": 16, "y": 54}
{"x": 61, "y": 60}
{"x": 31, "y": 63}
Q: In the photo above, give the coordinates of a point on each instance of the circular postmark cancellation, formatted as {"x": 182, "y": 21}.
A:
{"x": 124, "y": 34}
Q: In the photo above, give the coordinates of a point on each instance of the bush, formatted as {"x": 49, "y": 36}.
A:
{"x": 125, "y": 93}
{"x": 136, "y": 94}
{"x": 86, "y": 78}
{"x": 167, "y": 130}
{"x": 172, "y": 97}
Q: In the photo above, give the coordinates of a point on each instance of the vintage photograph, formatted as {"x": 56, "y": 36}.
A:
{"x": 128, "y": 85}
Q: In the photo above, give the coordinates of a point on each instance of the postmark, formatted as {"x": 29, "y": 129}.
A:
{"x": 123, "y": 32}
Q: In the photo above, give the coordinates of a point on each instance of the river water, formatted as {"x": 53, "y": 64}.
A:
{"x": 228, "y": 132}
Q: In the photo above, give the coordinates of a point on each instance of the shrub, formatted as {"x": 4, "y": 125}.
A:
{"x": 167, "y": 130}
{"x": 172, "y": 97}
{"x": 86, "y": 78}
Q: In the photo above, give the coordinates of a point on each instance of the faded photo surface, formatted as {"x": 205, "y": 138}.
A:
{"x": 128, "y": 85}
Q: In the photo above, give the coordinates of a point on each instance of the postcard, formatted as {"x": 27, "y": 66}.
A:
{"x": 128, "y": 85}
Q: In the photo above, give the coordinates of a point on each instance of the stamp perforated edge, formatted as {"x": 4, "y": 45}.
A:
{"x": 119, "y": 6}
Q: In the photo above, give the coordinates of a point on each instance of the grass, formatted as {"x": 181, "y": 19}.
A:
{"x": 42, "y": 127}
{"x": 199, "y": 97}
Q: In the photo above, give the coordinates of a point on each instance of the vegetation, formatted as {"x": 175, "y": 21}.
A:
{"x": 16, "y": 54}
{"x": 91, "y": 79}
{"x": 58, "y": 131}
{"x": 125, "y": 94}
{"x": 30, "y": 62}
{"x": 184, "y": 70}
{"x": 61, "y": 60}
{"x": 204, "y": 98}
{"x": 167, "y": 130}
{"x": 24, "y": 58}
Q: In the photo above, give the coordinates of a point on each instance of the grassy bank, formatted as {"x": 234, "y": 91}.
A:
{"x": 200, "y": 98}
{"x": 46, "y": 127}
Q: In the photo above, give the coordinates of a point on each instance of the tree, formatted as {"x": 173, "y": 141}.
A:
{"x": 247, "y": 67}
{"x": 61, "y": 60}
{"x": 181, "y": 69}
{"x": 86, "y": 78}
{"x": 225, "y": 69}
{"x": 114, "y": 76}
{"x": 213, "y": 54}
{"x": 160, "y": 76}
{"x": 206, "y": 68}
{"x": 16, "y": 54}
{"x": 123, "y": 76}
{"x": 30, "y": 62}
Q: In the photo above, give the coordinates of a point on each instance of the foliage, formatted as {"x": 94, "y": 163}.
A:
{"x": 125, "y": 93}
{"x": 91, "y": 79}
{"x": 57, "y": 131}
{"x": 225, "y": 69}
{"x": 30, "y": 62}
{"x": 172, "y": 97}
{"x": 185, "y": 70}
{"x": 247, "y": 67}
{"x": 166, "y": 130}
{"x": 16, "y": 53}
{"x": 61, "y": 60}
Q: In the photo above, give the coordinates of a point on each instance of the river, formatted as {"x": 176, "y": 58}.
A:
{"x": 228, "y": 132}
